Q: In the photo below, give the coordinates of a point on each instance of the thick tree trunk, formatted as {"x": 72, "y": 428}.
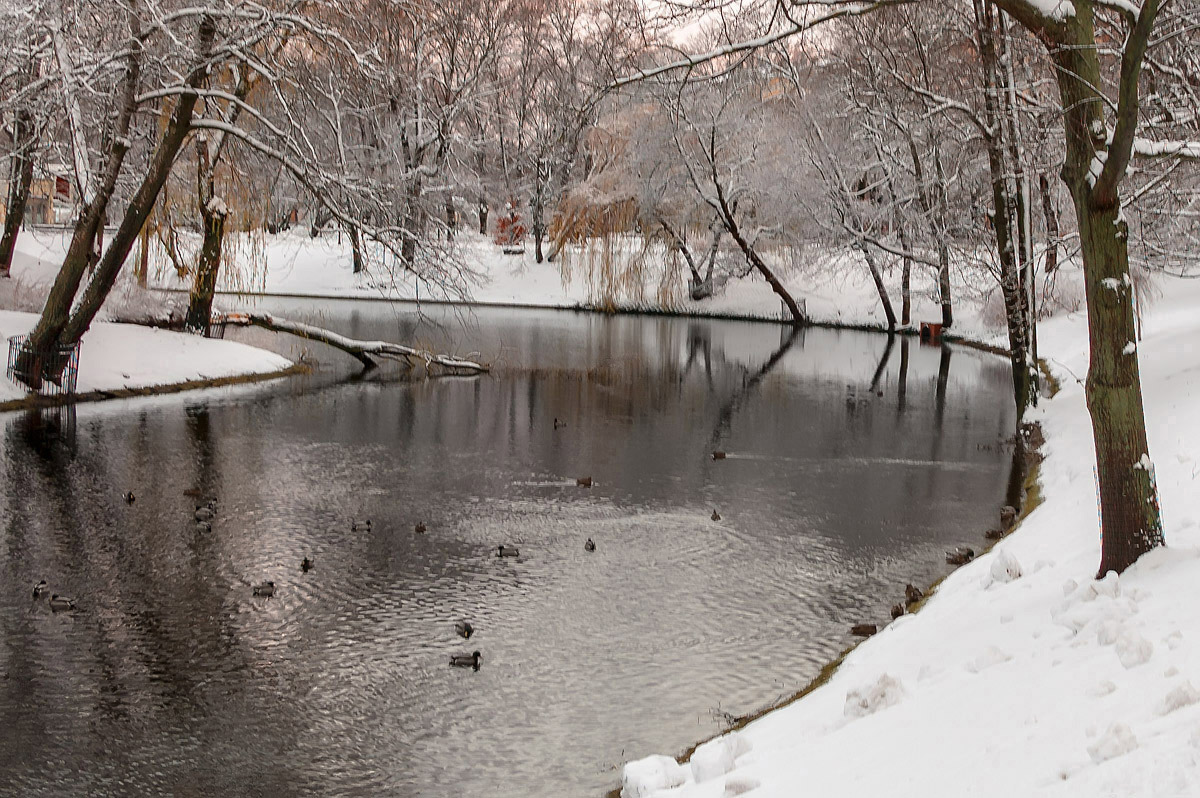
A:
{"x": 1130, "y": 521}
{"x": 905, "y": 281}
{"x": 884, "y": 300}
{"x": 20, "y": 178}
{"x": 1052, "y": 231}
{"x": 356, "y": 252}
{"x": 199, "y": 312}
{"x": 944, "y": 285}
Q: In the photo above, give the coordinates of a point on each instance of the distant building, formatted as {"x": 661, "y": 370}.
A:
{"x": 52, "y": 196}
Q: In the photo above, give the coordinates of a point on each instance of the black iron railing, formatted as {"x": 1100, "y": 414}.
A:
{"x": 52, "y": 371}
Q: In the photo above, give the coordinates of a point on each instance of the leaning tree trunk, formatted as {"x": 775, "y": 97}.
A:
{"x": 884, "y": 300}
{"x": 1130, "y": 520}
{"x": 20, "y": 179}
{"x": 81, "y": 252}
{"x": 140, "y": 204}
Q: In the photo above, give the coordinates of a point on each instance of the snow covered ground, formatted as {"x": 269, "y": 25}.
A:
{"x": 838, "y": 290}
{"x": 1022, "y": 675}
{"x": 126, "y": 356}
{"x": 115, "y": 357}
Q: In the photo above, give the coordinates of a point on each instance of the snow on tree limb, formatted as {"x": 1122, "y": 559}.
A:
{"x": 362, "y": 350}
{"x": 840, "y": 9}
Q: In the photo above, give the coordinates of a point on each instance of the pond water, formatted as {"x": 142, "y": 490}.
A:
{"x": 852, "y": 464}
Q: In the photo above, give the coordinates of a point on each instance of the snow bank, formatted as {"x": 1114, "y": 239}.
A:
{"x": 117, "y": 356}
{"x": 1022, "y": 675}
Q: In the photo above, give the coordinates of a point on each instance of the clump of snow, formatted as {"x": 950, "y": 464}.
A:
{"x": 1133, "y": 649}
{"x": 1129, "y": 348}
{"x": 990, "y": 656}
{"x": 650, "y": 775}
{"x": 717, "y": 757}
{"x": 739, "y": 784}
{"x": 1183, "y": 695}
{"x": 1005, "y": 567}
{"x": 1117, "y": 741}
{"x": 884, "y": 693}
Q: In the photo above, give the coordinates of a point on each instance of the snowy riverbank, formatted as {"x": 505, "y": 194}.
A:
{"x": 125, "y": 359}
{"x": 1021, "y": 676}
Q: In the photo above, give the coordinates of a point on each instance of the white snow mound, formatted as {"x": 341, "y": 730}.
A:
{"x": 1183, "y": 695}
{"x": 1005, "y": 567}
{"x": 1116, "y": 741}
{"x": 645, "y": 777}
{"x": 884, "y": 693}
{"x": 1133, "y": 649}
{"x": 716, "y": 757}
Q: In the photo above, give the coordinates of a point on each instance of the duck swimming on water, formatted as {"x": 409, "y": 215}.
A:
{"x": 59, "y": 603}
{"x": 465, "y": 660}
{"x": 507, "y": 551}
{"x": 265, "y": 589}
{"x": 464, "y": 629}
{"x": 589, "y": 545}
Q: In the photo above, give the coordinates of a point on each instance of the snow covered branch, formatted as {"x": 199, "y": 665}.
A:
{"x": 364, "y": 351}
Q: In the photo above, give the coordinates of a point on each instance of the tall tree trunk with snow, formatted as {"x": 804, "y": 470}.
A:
{"x": 142, "y": 202}
{"x": 20, "y": 178}
{"x": 1095, "y": 164}
{"x": 905, "y": 280}
{"x": 1003, "y": 210}
{"x": 199, "y": 312}
{"x": 212, "y": 219}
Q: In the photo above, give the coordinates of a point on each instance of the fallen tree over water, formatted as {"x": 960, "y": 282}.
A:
{"x": 365, "y": 351}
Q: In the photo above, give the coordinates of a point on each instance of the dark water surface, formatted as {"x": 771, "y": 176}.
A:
{"x": 171, "y": 678}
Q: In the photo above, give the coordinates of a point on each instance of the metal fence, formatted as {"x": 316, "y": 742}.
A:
{"x": 38, "y": 369}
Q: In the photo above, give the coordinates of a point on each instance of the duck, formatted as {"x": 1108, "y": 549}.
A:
{"x": 265, "y": 589}
{"x": 863, "y": 629}
{"x": 464, "y": 629}
{"x": 912, "y": 594}
{"x": 306, "y": 565}
{"x": 420, "y": 528}
{"x": 994, "y": 534}
{"x": 589, "y": 545}
{"x": 59, "y": 603}
{"x": 897, "y": 611}
{"x": 465, "y": 660}
{"x": 204, "y": 526}
{"x": 718, "y": 455}
{"x": 203, "y": 513}
{"x": 559, "y": 424}
{"x": 960, "y": 556}
{"x": 39, "y": 588}
{"x": 583, "y": 482}
{"x": 129, "y": 497}
{"x": 507, "y": 551}
{"x": 357, "y": 525}
{"x": 716, "y": 516}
